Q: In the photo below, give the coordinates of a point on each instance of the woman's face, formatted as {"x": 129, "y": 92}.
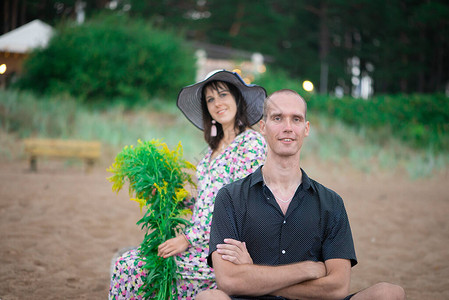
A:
{"x": 221, "y": 104}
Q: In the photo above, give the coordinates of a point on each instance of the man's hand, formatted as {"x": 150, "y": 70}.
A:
{"x": 173, "y": 246}
{"x": 234, "y": 251}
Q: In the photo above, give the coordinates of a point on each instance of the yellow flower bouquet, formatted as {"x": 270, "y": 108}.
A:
{"x": 156, "y": 177}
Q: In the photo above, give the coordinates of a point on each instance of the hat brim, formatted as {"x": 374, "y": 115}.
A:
{"x": 189, "y": 98}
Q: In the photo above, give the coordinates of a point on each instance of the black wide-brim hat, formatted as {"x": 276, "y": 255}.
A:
{"x": 189, "y": 98}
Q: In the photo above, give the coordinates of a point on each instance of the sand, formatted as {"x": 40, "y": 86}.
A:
{"x": 60, "y": 227}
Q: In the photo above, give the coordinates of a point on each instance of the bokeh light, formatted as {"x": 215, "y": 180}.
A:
{"x": 238, "y": 71}
{"x": 307, "y": 85}
{"x": 262, "y": 69}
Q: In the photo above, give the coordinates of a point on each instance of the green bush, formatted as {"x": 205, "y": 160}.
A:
{"x": 111, "y": 57}
{"x": 422, "y": 121}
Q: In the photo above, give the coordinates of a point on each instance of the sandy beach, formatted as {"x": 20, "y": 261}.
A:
{"x": 60, "y": 227}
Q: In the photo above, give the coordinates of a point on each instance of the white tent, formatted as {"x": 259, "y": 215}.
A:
{"x": 27, "y": 37}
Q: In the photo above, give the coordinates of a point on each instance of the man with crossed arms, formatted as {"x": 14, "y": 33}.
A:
{"x": 277, "y": 234}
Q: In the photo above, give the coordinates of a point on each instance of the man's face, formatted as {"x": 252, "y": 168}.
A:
{"x": 285, "y": 126}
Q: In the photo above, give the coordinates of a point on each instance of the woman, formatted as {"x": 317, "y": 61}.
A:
{"x": 225, "y": 108}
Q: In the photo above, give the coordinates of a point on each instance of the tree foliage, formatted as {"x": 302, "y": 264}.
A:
{"x": 402, "y": 44}
{"x": 111, "y": 57}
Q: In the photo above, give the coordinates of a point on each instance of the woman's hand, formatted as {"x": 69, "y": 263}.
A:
{"x": 235, "y": 252}
{"x": 173, "y": 246}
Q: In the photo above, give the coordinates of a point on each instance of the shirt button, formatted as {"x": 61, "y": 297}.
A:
{"x": 283, "y": 251}
{"x": 285, "y": 222}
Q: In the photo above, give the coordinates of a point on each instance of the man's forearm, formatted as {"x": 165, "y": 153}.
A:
{"x": 256, "y": 280}
{"x": 311, "y": 290}
{"x": 335, "y": 285}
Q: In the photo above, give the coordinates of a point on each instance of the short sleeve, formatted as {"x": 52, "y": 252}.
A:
{"x": 338, "y": 242}
{"x": 223, "y": 222}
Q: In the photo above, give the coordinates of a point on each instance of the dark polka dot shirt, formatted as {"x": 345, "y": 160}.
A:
{"x": 315, "y": 226}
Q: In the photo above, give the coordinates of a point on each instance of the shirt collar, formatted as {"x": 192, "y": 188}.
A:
{"x": 257, "y": 176}
{"x": 306, "y": 181}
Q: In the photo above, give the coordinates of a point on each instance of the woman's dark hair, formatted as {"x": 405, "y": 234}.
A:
{"x": 241, "y": 118}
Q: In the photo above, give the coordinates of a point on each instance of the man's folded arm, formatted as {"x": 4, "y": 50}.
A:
{"x": 257, "y": 280}
{"x": 335, "y": 285}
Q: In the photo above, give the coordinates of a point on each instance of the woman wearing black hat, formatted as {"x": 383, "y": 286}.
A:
{"x": 225, "y": 108}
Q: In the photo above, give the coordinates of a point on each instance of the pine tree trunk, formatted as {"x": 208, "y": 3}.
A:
{"x": 324, "y": 48}
{"x": 6, "y": 15}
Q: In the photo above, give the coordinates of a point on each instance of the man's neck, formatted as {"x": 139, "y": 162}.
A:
{"x": 282, "y": 172}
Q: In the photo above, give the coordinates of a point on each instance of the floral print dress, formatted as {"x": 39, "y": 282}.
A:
{"x": 242, "y": 157}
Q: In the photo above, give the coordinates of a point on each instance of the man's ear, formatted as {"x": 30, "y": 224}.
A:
{"x": 307, "y": 129}
{"x": 262, "y": 127}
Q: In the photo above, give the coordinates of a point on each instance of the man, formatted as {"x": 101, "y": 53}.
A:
{"x": 277, "y": 234}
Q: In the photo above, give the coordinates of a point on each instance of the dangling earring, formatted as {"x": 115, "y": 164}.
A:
{"x": 240, "y": 123}
{"x": 213, "y": 129}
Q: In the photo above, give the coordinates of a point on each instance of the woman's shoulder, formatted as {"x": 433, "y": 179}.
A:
{"x": 251, "y": 134}
{"x": 251, "y": 139}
